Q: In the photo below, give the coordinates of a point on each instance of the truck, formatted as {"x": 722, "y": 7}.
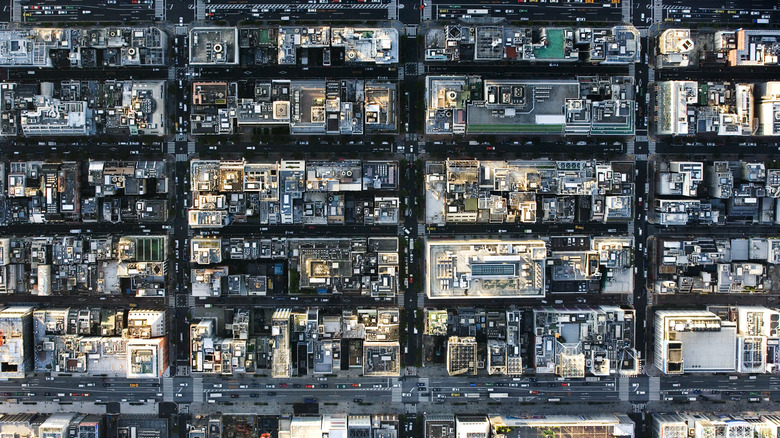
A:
{"x": 499, "y": 395}
{"x": 215, "y": 395}
{"x": 472, "y": 395}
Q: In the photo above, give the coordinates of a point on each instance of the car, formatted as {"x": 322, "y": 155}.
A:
{"x": 243, "y": 386}
{"x": 178, "y": 394}
{"x": 565, "y": 384}
{"x": 135, "y": 385}
{"x": 309, "y": 386}
{"x": 358, "y": 400}
{"x": 323, "y": 385}
{"x": 233, "y": 395}
{"x": 271, "y": 393}
{"x": 283, "y": 385}
{"x": 296, "y": 385}
{"x": 356, "y": 385}
{"x": 271, "y": 386}
{"x": 534, "y": 392}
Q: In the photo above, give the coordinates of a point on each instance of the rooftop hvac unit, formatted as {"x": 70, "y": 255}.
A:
{"x": 218, "y": 48}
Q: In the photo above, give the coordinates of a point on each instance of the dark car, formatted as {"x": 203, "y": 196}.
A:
{"x": 358, "y": 400}
{"x": 323, "y": 385}
{"x": 296, "y": 385}
{"x": 271, "y": 393}
{"x": 233, "y": 395}
{"x": 254, "y": 395}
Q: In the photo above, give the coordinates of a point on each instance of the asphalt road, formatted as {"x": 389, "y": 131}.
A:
{"x": 57, "y": 11}
{"x": 569, "y": 12}
{"x": 235, "y": 13}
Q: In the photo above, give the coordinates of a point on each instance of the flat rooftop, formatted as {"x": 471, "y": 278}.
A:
{"x": 214, "y": 46}
{"x": 485, "y": 268}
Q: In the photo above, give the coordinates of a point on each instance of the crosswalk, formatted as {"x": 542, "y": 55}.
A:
{"x": 655, "y": 388}
{"x": 16, "y": 11}
{"x": 167, "y": 390}
{"x": 623, "y": 388}
{"x": 427, "y": 13}
{"x": 657, "y": 11}
{"x": 397, "y": 391}
{"x": 392, "y": 10}
{"x": 200, "y": 10}
{"x": 159, "y": 10}
{"x": 630, "y": 147}
{"x": 626, "y": 11}
{"x": 197, "y": 390}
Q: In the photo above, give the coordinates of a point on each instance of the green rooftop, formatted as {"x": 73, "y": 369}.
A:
{"x": 554, "y": 48}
